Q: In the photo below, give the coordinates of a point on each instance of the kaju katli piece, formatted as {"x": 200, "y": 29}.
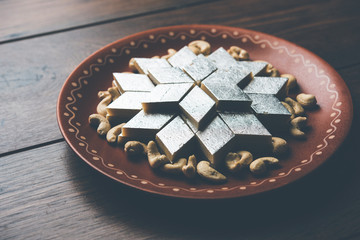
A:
{"x": 143, "y": 124}
{"x": 130, "y": 82}
{"x": 198, "y": 107}
{"x": 182, "y": 58}
{"x": 257, "y": 68}
{"x": 166, "y": 97}
{"x": 222, "y": 59}
{"x": 267, "y": 85}
{"x": 168, "y": 75}
{"x": 200, "y": 68}
{"x": 216, "y": 140}
{"x": 176, "y": 139}
{"x": 227, "y": 96}
{"x": 127, "y": 105}
{"x": 250, "y": 133}
{"x": 270, "y": 111}
{"x": 143, "y": 64}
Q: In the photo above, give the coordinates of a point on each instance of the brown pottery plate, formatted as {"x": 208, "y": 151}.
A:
{"x": 329, "y": 123}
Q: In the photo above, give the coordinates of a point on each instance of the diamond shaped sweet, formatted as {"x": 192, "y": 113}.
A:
{"x": 257, "y": 68}
{"x": 222, "y": 59}
{"x": 182, "y": 58}
{"x": 130, "y": 82}
{"x": 249, "y": 131}
{"x": 200, "y": 68}
{"x": 169, "y": 75}
{"x": 128, "y": 104}
{"x": 143, "y": 64}
{"x": 143, "y": 124}
{"x": 269, "y": 110}
{"x": 176, "y": 139}
{"x": 226, "y": 96}
{"x": 166, "y": 97}
{"x": 267, "y": 85}
{"x": 198, "y": 107}
{"x": 215, "y": 140}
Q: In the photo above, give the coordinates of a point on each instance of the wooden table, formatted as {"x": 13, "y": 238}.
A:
{"x": 48, "y": 192}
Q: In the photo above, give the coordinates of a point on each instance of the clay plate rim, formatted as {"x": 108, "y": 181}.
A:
{"x": 333, "y": 84}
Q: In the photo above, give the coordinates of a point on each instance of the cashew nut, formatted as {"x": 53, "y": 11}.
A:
{"x": 237, "y": 161}
{"x": 298, "y": 109}
{"x": 306, "y": 100}
{"x": 207, "y": 172}
{"x": 154, "y": 157}
{"x": 132, "y": 64}
{"x": 290, "y": 109}
{"x": 280, "y": 146}
{"x": 103, "y": 94}
{"x": 189, "y": 169}
{"x": 270, "y": 70}
{"x": 291, "y": 83}
{"x": 174, "y": 168}
{"x": 135, "y": 148}
{"x": 171, "y": 52}
{"x": 113, "y": 133}
{"x": 101, "y": 107}
{"x": 260, "y": 165}
{"x": 297, "y": 125}
{"x": 238, "y": 53}
{"x": 200, "y": 46}
{"x": 114, "y": 92}
{"x": 99, "y": 121}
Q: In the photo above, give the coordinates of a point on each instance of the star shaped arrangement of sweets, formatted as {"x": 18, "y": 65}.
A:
{"x": 189, "y": 102}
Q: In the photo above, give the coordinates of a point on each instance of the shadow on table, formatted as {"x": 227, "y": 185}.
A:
{"x": 294, "y": 204}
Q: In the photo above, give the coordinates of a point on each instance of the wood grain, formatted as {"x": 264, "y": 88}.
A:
{"x": 47, "y": 192}
{"x": 23, "y": 19}
{"x": 67, "y": 199}
{"x": 34, "y": 70}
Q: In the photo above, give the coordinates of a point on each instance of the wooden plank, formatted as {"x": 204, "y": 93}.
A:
{"x": 22, "y": 19}
{"x": 50, "y": 193}
{"x": 34, "y": 70}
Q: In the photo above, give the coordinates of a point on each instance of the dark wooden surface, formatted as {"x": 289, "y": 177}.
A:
{"x": 47, "y": 192}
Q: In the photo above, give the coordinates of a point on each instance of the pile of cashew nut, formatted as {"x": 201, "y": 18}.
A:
{"x": 234, "y": 162}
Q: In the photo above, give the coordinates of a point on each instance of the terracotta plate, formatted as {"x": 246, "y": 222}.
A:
{"x": 329, "y": 124}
